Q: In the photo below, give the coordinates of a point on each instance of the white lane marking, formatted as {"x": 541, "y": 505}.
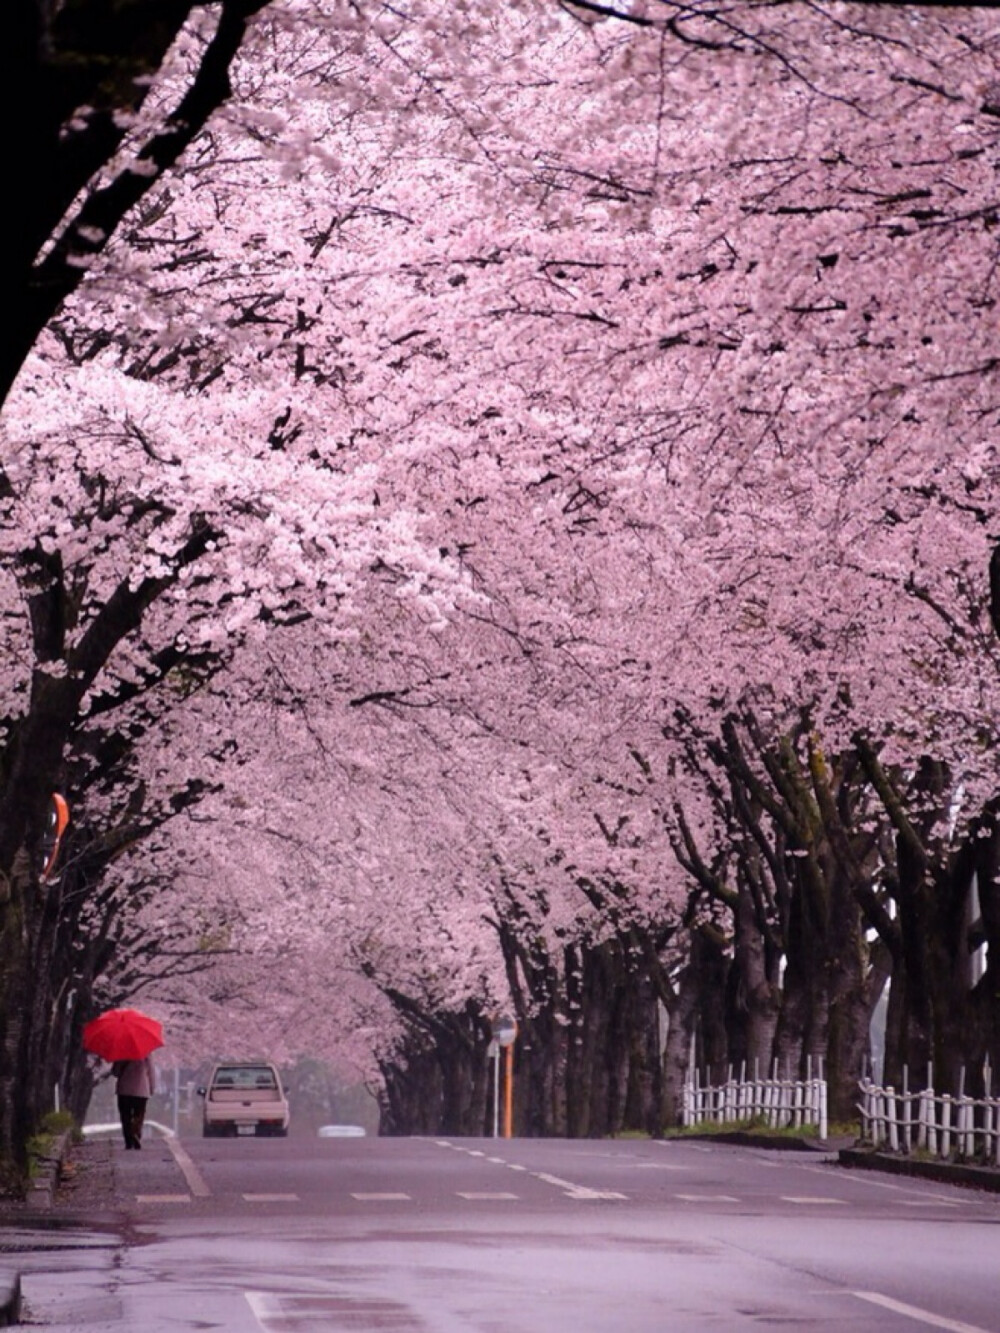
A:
{"x": 163, "y": 1198}
{"x": 262, "y": 1306}
{"x": 196, "y": 1184}
{"x": 708, "y": 1198}
{"x": 807, "y": 1198}
{"x": 872, "y": 1181}
{"x": 378, "y": 1198}
{"x": 576, "y": 1191}
{"x": 922, "y": 1316}
{"x": 271, "y": 1198}
{"x": 572, "y": 1191}
{"x": 477, "y": 1194}
{"x": 928, "y": 1203}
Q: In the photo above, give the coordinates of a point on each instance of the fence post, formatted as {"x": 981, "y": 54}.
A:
{"x": 823, "y": 1122}
{"x": 946, "y": 1105}
{"x": 963, "y": 1144}
{"x": 927, "y": 1135}
{"x": 865, "y": 1108}
{"x": 890, "y": 1117}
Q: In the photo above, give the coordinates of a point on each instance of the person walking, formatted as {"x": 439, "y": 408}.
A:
{"x": 135, "y": 1084}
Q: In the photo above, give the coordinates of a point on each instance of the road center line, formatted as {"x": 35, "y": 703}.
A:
{"x": 922, "y": 1316}
{"x": 572, "y": 1191}
{"x": 192, "y": 1175}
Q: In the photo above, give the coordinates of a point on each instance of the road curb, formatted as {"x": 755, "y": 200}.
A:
{"x": 38, "y": 1197}
{"x": 950, "y": 1173}
{"x": 750, "y": 1139}
{"x": 10, "y": 1297}
{"x": 42, "y": 1189}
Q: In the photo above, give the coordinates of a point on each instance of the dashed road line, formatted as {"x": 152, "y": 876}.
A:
{"x": 572, "y": 1190}
{"x": 380, "y": 1198}
{"x": 271, "y": 1198}
{"x": 485, "y": 1194}
{"x": 808, "y": 1198}
{"x": 163, "y": 1198}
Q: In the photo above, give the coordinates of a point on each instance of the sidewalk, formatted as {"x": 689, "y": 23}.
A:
{"x": 77, "y": 1192}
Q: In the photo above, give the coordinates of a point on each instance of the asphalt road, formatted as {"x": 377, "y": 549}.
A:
{"x": 508, "y": 1236}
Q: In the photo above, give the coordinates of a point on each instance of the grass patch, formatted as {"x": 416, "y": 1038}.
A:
{"x": 41, "y": 1144}
{"x": 58, "y": 1122}
{"x": 755, "y": 1125}
{"x": 844, "y": 1129}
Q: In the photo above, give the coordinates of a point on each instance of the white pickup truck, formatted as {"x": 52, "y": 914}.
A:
{"x": 245, "y": 1099}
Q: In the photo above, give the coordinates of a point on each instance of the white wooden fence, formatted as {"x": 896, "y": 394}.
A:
{"x": 936, "y": 1123}
{"x": 781, "y": 1103}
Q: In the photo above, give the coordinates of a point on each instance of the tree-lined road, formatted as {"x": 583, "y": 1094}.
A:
{"x": 524, "y": 1236}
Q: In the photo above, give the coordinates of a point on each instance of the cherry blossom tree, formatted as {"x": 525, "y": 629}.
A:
{"x": 512, "y": 428}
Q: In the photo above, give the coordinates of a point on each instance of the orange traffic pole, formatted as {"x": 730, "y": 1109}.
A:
{"x": 508, "y": 1101}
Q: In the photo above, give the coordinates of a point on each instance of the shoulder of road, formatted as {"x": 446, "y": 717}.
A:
{"x": 77, "y": 1180}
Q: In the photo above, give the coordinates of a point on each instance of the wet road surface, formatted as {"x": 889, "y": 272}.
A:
{"x": 508, "y": 1236}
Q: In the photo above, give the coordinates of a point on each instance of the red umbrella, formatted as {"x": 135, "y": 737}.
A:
{"x": 122, "y": 1034}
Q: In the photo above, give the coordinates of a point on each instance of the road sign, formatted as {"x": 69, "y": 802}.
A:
{"x": 504, "y": 1030}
